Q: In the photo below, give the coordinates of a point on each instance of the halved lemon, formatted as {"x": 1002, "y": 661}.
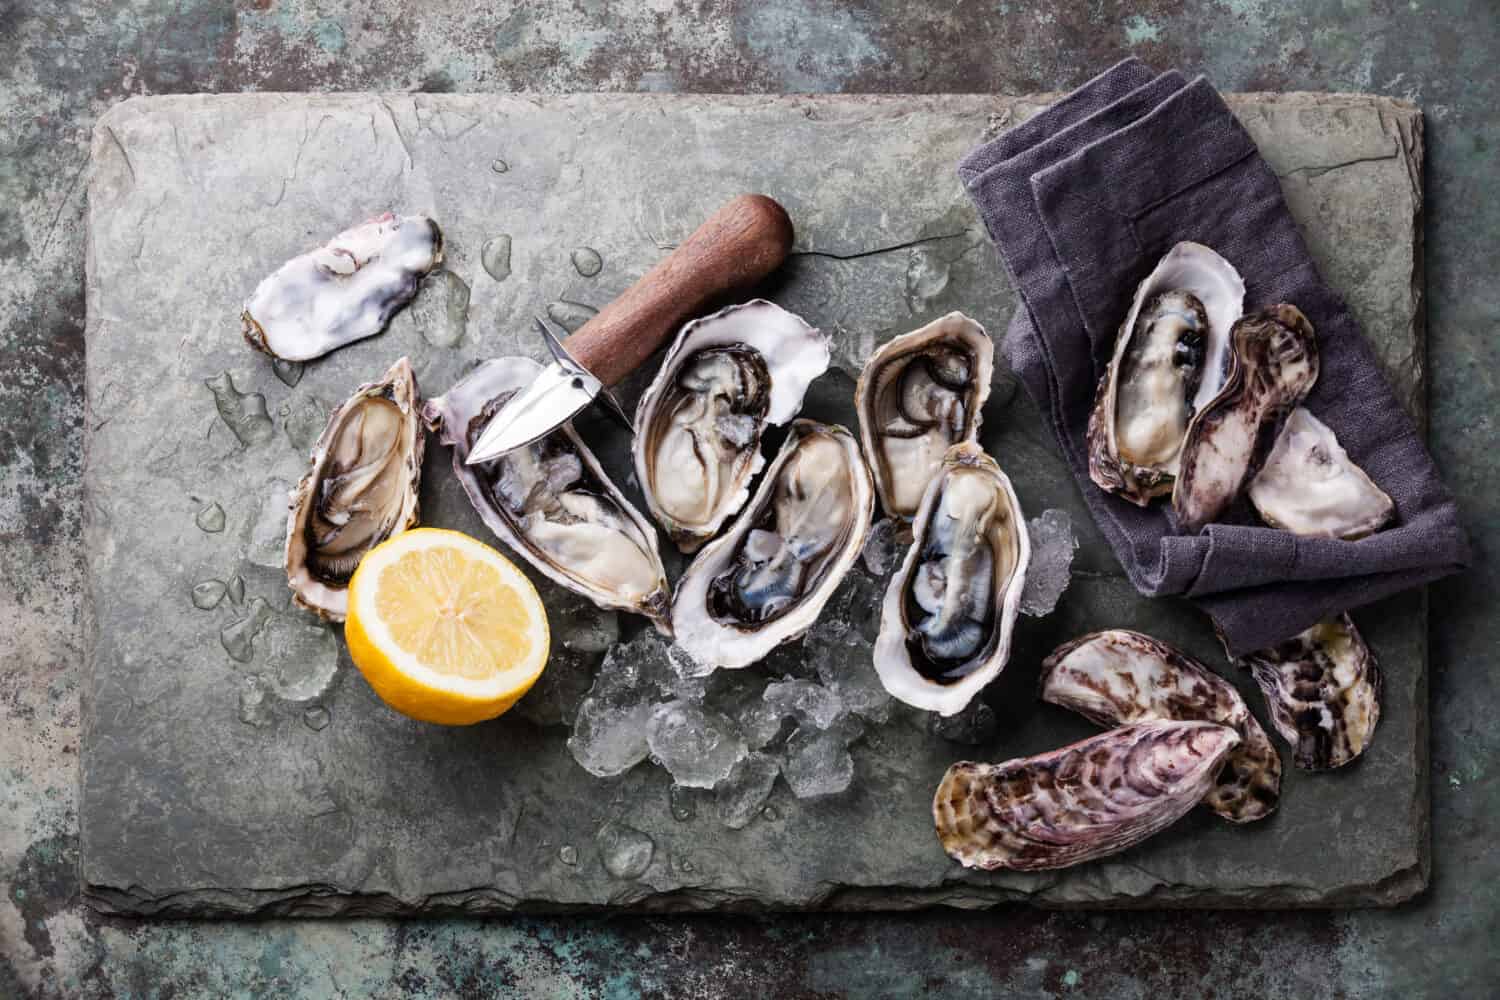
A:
{"x": 445, "y": 628}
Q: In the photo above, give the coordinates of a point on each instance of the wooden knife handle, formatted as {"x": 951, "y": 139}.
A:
{"x": 740, "y": 244}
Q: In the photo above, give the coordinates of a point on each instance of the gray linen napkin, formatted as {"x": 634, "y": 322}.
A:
{"x": 1081, "y": 202}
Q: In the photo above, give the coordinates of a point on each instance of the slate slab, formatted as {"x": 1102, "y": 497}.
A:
{"x": 235, "y": 763}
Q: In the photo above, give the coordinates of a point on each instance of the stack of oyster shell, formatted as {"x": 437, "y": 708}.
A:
{"x": 1184, "y": 408}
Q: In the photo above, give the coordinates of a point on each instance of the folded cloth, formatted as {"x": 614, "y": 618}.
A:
{"x": 1082, "y": 201}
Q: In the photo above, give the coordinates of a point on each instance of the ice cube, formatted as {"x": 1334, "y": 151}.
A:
{"x": 817, "y": 762}
{"x": 1052, "y": 546}
{"x": 880, "y": 547}
{"x": 697, "y": 747}
{"x": 854, "y": 681}
{"x": 740, "y": 796}
{"x": 975, "y": 725}
{"x": 609, "y": 737}
{"x": 740, "y": 695}
{"x": 810, "y": 702}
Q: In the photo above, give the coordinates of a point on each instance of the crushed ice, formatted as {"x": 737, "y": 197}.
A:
{"x": 1052, "y": 546}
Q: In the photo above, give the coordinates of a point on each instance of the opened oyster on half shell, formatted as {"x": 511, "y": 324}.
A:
{"x": 343, "y": 291}
{"x": 551, "y": 502}
{"x": 765, "y": 580}
{"x": 698, "y": 425}
{"x": 918, "y": 395}
{"x": 362, "y": 488}
{"x": 947, "y": 615}
{"x": 1171, "y": 357}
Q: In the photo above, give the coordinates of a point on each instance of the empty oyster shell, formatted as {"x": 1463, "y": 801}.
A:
{"x": 1273, "y": 365}
{"x": 1117, "y": 677}
{"x": 698, "y": 425}
{"x": 1170, "y": 358}
{"x": 550, "y": 502}
{"x": 343, "y": 291}
{"x": 1084, "y": 801}
{"x": 1323, "y": 688}
{"x": 765, "y": 579}
{"x": 920, "y": 394}
{"x": 946, "y": 620}
{"x": 1310, "y": 486}
{"x": 361, "y": 488}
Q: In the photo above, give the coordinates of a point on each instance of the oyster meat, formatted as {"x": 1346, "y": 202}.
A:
{"x": 1310, "y": 486}
{"x": 550, "y": 501}
{"x": 344, "y": 291}
{"x": 1273, "y": 365}
{"x": 1323, "y": 689}
{"x": 946, "y": 620}
{"x": 920, "y": 394}
{"x": 1085, "y": 801}
{"x": 1117, "y": 677}
{"x": 1170, "y": 358}
{"x": 362, "y": 488}
{"x": 699, "y": 423}
{"x": 765, "y": 579}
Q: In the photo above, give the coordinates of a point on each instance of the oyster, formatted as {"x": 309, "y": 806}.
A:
{"x": 1170, "y": 359}
{"x": 1323, "y": 688}
{"x": 765, "y": 579}
{"x": 1084, "y": 801}
{"x": 550, "y": 501}
{"x": 361, "y": 488}
{"x": 946, "y": 620}
{"x": 698, "y": 425}
{"x": 1273, "y": 365}
{"x": 343, "y": 291}
{"x": 1117, "y": 677}
{"x": 1310, "y": 486}
{"x": 919, "y": 395}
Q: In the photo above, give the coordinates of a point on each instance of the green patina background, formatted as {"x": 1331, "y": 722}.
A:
{"x": 65, "y": 63}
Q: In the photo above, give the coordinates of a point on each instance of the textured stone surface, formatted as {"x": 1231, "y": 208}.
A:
{"x": 224, "y": 779}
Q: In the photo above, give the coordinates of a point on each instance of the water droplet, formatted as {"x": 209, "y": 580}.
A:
{"x": 495, "y": 256}
{"x": 684, "y": 804}
{"x": 208, "y": 594}
{"x": 237, "y": 590}
{"x": 316, "y": 718}
{"x": 290, "y": 372}
{"x": 926, "y": 277}
{"x": 301, "y": 656}
{"x": 211, "y": 518}
{"x": 499, "y": 166}
{"x": 238, "y": 637}
{"x": 304, "y": 421}
{"x": 441, "y": 312}
{"x": 626, "y": 851}
{"x": 769, "y": 812}
{"x": 253, "y": 710}
{"x": 567, "y": 854}
{"x": 587, "y": 262}
{"x": 244, "y": 413}
{"x": 570, "y": 315}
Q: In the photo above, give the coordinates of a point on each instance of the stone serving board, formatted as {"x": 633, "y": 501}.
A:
{"x": 234, "y": 768}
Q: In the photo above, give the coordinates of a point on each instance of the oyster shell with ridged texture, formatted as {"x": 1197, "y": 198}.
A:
{"x": 918, "y": 395}
{"x": 551, "y": 502}
{"x": 1273, "y": 366}
{"x": 948, "y": 612}
{"x": 1118, "y": 677}
{"x": 1323, "y": 689}
{"x": 765, "y": 580}
{"x": 362, "y": 488}
{"x": 343, "y": 291}
{"x": 699, "y": 423}
{"x": 1085, "y": 801}
{"x": 1310, "y": 486}
{"x": 1170, "y": 358}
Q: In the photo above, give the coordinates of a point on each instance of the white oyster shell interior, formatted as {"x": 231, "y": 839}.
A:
{"x": 1310, "y": 486}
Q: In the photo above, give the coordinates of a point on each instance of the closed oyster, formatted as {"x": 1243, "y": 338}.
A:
{"x": 765, "y": 579}
{"x": 1085, "y": 801}
{"x": 1170, "y": 358}
{"x": 361, "y": 489}
{"x": 946, "y": 620}
{"x": 344, "y": 291}
{"x": 1117, "y": 677}
{"x": 1273, "y": 365}
{"x": 698, "y": 425}
{"x": 920, "y": 394}
{"x": 1323, "y": 688}
{"x": 1310, "y": 486}
{"x": 550, "y": 501}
